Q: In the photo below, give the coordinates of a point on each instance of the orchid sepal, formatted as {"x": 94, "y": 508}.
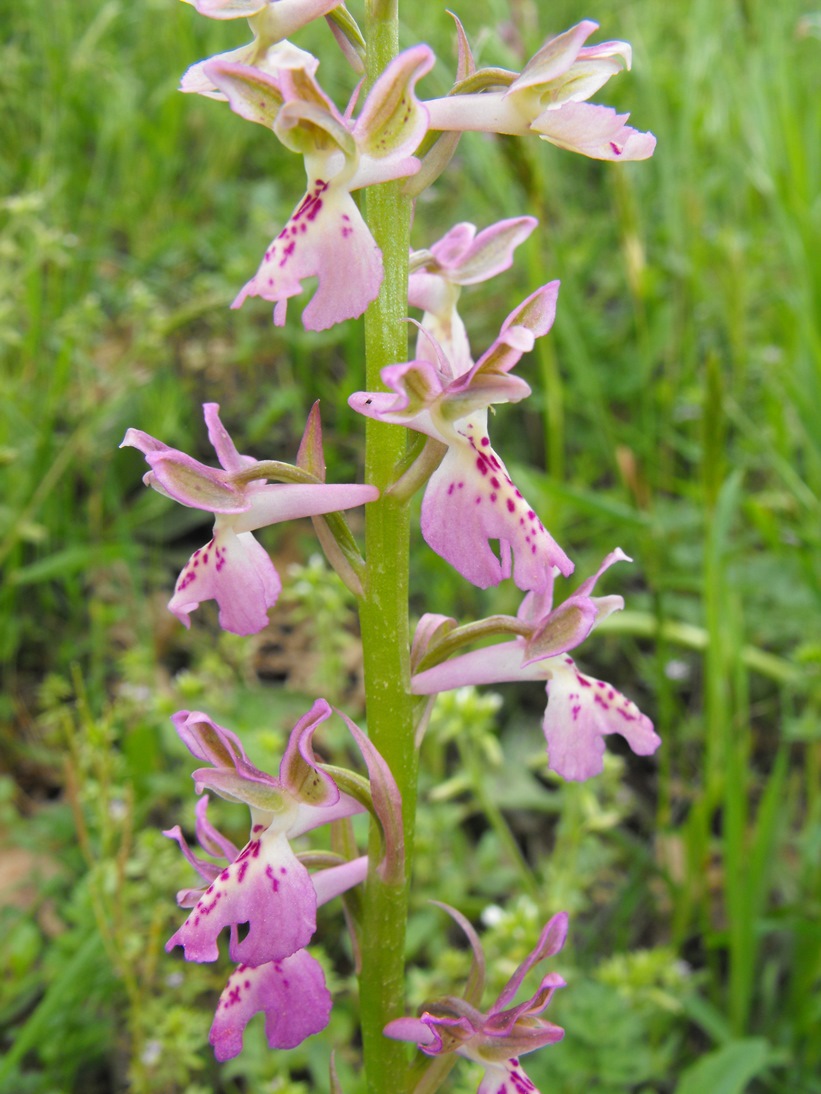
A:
{"x": 300, "y": 774}
{"x": 250, "y": 92}
{"x": 233, "y": 787}
{"x": 466, "y": 257}
{"x": 393, "y": 121}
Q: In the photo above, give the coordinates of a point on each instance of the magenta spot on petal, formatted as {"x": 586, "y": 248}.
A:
{"x": 485, "y": 440}
{"x": 584, "y": 683}
{"x": 494, "y": 482}
{"x": 616, "y": 150}
{"x": 481, "y": 464}
{"x": 601, "y": 702}
{"x": 511, "y": 505}
{"x": 493, "y": 497}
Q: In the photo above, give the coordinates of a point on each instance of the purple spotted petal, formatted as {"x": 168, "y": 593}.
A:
{"x": 581, "y": 711}
{"x": 237, "y": 572}
{"x": 470, "y": 500}
{"x": 506, "y": 1078}
{"x": 290, "y": 993}
{"x": 595, "y": 131}
{"x": 326, "y": 238}
{"x": 267, "y": 888}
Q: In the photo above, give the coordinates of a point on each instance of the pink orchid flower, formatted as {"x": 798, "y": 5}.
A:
{"x": 581, "y": 710}
{"x": 290, "y": 991}
{"x": 326, "y": 236}
{"x": 271, "y": 21}
{"x": 461, "y": 257}
{"x": 548, "y": 98}
{"x": 265, "y": 885}
{"x": 233, "y": 568}
{"x": 496, "y": 1038}
{"x": 470, "y": 498}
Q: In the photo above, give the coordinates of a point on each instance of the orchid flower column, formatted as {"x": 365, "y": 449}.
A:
{"x": 384, "y": 606}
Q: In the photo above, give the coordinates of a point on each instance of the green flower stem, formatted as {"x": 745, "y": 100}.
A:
{"x": 384, "y": 610}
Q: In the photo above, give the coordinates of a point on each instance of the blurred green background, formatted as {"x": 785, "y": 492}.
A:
{"x": 676, "y": 413}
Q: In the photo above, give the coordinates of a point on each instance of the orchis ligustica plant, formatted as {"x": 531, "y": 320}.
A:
{"x": 427, "y": 429}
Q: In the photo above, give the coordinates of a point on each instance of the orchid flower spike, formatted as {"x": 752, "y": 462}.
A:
{"x": 271, "y": 21}
{"x": 233, "y": 568}
{"x": 326, "y": 236}
{"x": 548, "y": 98}
{"x": 581, "y": 710}
{"x": 470, "y": 498}
{"x": 461, "y": 257}
{"x": 290, "y": 991}
{"x": 495, "y": 1039}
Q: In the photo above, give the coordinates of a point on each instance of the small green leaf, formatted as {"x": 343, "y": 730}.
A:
{"x": 727, "y": 1070}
